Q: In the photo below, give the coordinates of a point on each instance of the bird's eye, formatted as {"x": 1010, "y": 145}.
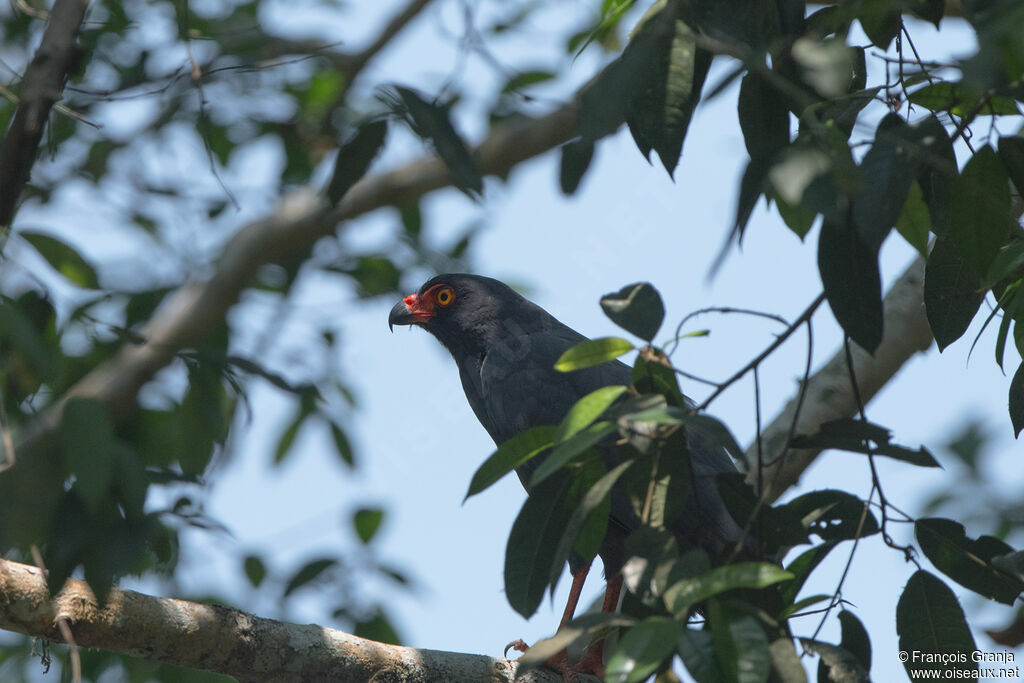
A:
{"x": 445, "y": 296}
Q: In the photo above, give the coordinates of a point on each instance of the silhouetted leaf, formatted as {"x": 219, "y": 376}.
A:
{"x": 967, "y": 561}
{"x": 929, "y": 620}
{"x": 307, "y": 573}
{"x": 533, "y": 543}
{"x": 1011, "y": 153}
{"x": 980, "y": 210}
{"x": 576, "y": 158}
{"x": 432, "y": 121}
{"x": 951, "y": 293}
{"x": 836, "y": 664}
{"x": 636, "y": 308}
{"x": 354, "y": 158}
{"x": 87, "y": 441}
{"x": 888, "y": 170}
{"x": 1017, "y": 398}
{"x": 853, "y": 284}
{"x": 834, "y": 515}
{"x": 914, "y": 222}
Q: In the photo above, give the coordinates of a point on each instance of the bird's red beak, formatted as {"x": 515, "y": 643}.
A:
{"x": 411, "y": 310}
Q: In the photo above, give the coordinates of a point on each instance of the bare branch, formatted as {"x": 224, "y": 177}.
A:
{"x": 53, "y": 62}
{"x": 829, "y": 395}
{"x": 228, "y": 641}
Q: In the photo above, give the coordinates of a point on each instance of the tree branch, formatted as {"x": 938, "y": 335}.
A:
{"x": 41, "y": 87}
{"x": 829, "y": 395}
{"x": 229, "y": 641}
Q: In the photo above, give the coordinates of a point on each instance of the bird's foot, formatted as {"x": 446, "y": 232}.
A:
{"x": 591, "y": 663}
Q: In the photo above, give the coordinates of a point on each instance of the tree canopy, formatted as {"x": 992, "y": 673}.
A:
{"x": 176, "y": 177}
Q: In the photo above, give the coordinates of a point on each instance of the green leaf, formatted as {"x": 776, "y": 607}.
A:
{"x": 587, "y": 409}
{"x": 307, "y": 573}
{"x": 255, "y": 570}
{"x": 914, "y": 222}
{"x": 592, "y": 352}
{"x": 354, "y": 158}
{"x": 853, "y": 284}
{"x": 741, "y": 646}
{"x": 802, "y": 567}
{"x": 881, "y": 23}
{"x": 87, "y": 441}
{"x": 938, "y": 171}
{"x": 698, "y": 654}
{"x": 64, "y": 259}
{"x": 533, "y": 543}
{"x": 682, "y": 596}
{"x": 668, "y": 91}
{"x": 1017, "y": 398}
{"x": 576, "y": 158}
{"x": 366, "y": 522}
{"x": 568, "y": 450}
{"x": 980, "y": 210}
{"x": 834, "y": 515}
{"x": 951, "y": 293}
{"x": 586, "y": 628}
{"x": 945, "y": 96}
{"x": 588, "y": 525}
{"x": 341, "y": 445}
{"x": 967, "y": 561}
{"x": 653, "y": 374}
{"x": 432, "y": 121}
{"x": 287, "y": 440}
{"x": 929, "y": 620}
{"x": 526, "y": 78}
{"x": 641, "y": 652}
{"x": 636, "y": 308}
{"x": 1008, "y": 263}
{"x": 510, "y": 455}
{"x": 377, "y": 628}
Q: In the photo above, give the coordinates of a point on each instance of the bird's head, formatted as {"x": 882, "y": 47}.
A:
{"x": 466, "y": 312}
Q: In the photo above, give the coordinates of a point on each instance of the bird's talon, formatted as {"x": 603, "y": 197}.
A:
{"x": 519, "y": 645}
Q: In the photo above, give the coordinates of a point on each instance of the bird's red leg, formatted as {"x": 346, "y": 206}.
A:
{"x": 593, "y": 660}
{"x": 574, "y": 595}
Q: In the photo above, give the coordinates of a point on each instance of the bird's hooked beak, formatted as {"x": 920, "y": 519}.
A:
{"x": 411, "y": 310}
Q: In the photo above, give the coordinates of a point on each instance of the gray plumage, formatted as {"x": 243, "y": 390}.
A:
{"x": 505, "y": 347}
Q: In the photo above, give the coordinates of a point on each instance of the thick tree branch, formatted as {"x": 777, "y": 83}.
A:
{"x": 829, "y": 394}
{"x": 228, "y": 641}
{"x": 41, "y": 87}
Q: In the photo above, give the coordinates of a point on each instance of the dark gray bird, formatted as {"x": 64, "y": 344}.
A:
{"x": 506, "y": 347}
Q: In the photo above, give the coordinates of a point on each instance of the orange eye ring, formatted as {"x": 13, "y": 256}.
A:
{"x": 445, "y": 297}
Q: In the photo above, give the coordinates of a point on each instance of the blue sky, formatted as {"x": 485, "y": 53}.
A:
{"x": 417, "y": 441}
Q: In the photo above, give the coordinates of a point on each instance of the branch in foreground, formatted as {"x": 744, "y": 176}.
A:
{"x": 829, "y": 395}
{"x": 40, "y": 89}
{"x": 229, "y": 641}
